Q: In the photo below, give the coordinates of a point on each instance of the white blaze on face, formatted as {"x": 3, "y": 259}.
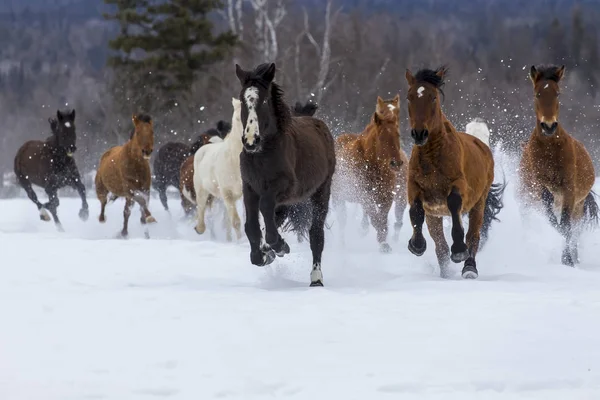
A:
{"x": 68, "y": 124}
{"x": 546, "y": 87}
{"x": 391, "y": 107}
{"x": 251, "y": 132}
{"x": 420, "y": 91}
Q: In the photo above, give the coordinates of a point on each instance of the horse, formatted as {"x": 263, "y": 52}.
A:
{"x": 287, "y": 164}
{"x": 170, "y": 157}
{"x": 50, "y": 165}
{"x": 186, "y": 173}
{"x": 124, "y": 171}
{"x": 217, "y": 174}
{"x": 450, "y": 173}
{"x": 556, "y": 171}
{"x": 369, "y": 165}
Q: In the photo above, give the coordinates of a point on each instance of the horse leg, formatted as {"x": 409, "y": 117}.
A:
{"x": 26, "y": 185}
{"x": 143, "y": 198}
{"x": 161, "y": 188}
{"x": 76, "y": 183}
{"x": 399, "y": 208}
{"x": 342, "y": 215}
{"x": 459, "y": 250}
{"x": 364, "y": 223}
{"x": 259, "y": 255}
{"x": 380, "y": 223}
{"x": 316, "y": 233}
{"x": 469, "y": 270}
{"x": 417, "y": 243}
{"x": 272, "y": 237}
{"x": 52, "y": 205}
{"x": 234, "y": 218}
{"x": 566, "y": 227}
{"x": 435, "y": 225}
{"x": 578, "y": 213}
{"x": 548, "y": 203}
{"x": 126, "y": 214}
{"x": 201, "y": 200}
{"x": 102, "y": 194}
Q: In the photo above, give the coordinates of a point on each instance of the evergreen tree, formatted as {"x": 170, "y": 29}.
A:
{"x": 162, "y": 46}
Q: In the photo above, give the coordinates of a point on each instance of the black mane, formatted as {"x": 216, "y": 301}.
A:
{"x": 430, "y": 76}
{"x": 309, "y": 109}
{"x": 144, "y": 118}
{"x": 548, "y": 72}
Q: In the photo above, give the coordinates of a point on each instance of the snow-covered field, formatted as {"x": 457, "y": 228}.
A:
{"x": 87, "y": 316}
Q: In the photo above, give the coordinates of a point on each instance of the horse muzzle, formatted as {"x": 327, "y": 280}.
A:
{"x": 549, "y": 130}
{"x": 146, "y": 154}
{"x": 251, "y": 148}
{"x": 420, "y": 136}
{"x": 395, "y": 165}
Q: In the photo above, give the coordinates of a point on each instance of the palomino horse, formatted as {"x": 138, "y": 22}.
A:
{"x": 556, "y": 170}
{"x": 450, "y": 173}
{"x": 286, "y": 163}
{"x": 124, "y": 171}
{"x": 171, "y": 155}
{"x": 186, "y": 173}
{"x": 50, "y": 164}
{"x": 217, "y": 174}
{"x": 368, "y": 168}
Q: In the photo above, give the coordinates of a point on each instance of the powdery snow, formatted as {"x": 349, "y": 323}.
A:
{"x": 86, "y": 316}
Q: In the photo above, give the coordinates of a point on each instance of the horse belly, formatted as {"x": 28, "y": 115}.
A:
{"x": 436, "y": 209}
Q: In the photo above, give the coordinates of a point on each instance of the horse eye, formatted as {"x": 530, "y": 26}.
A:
{"x": 538, "y": 95}
{"x": 434, "y": 99}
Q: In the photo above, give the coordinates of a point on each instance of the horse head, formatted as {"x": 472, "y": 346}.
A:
{"x": 143, "y": 136}
{"x": 63, "y": 129}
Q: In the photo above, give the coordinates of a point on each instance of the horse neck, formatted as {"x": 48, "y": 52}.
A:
{"x": 439, "y": 136}
{"x": 132, "y": 149}
{"x": 233, "y": 140}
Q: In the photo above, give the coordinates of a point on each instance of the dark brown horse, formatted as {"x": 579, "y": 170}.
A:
{"x": 450, "y": 173}
{"x": 170, "y": 157}
{"x": 556, "y": 170}
{"x": 286, "y": 163}
{"x": 50, "y": 165}
{"x": 368, "y": 168}
{"x": 124, "y": 171}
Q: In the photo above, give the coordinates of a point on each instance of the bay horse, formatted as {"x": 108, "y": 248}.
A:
{"x": 287, "y": 163}
{"x": 217, "y": 174}
{"x": 124, "y": 171}
{"x": 50, "y": 165}
{"x": 368, "y": 167}
{"x": 556, "y": 171}
{"x": 170, "y": 157}
{"x": 450, "y": 173}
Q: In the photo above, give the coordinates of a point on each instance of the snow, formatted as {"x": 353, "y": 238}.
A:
{"x": 179, "y": 316}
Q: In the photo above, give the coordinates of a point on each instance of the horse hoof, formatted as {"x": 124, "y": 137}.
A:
{"x": 44, "y": 216}
{"x": 316, "y": 278}
{"x": 567, "y": 259}
{"x": 150, "y": 219}
{"x": 200, "y": 230}
{"x": 459, "y": 257}
{"x": 122, "y": 235}
{"x": 470, "y": 272}
{"x": 60, "y": 228}
{"x": 445, "y": 272}
{"x": 316, "y": 284}
{"x": 385, "y": 248}
{"x": 417, "y": 251}
{"x": 268, "y": 257}
{"x": 285, "y": 249}
{"x": 84, "y": 214}
{"x": 102, "y": 219}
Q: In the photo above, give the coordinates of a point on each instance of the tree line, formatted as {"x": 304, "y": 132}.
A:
{"x": 175, "y": 60}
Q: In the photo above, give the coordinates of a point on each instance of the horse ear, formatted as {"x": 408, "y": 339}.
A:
{"x": 241, "y": 74}
{"x": 135, "y": 119}
{"x": 269, "y": 74}
{"x": 53, "y": 125}
{"x": 560, "y": 72}
{"x": 376, "y": 118}
{"x": 397, "y": 98}
{"x": 409, "y": 77}
{"x": 442, "y": 71}
{"x": 72, "y": 115}
{"x": 533, "y": 74}
{"x": 59, "y": 115}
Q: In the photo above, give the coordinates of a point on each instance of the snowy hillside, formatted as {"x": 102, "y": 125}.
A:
{"x": 87, "y": 316}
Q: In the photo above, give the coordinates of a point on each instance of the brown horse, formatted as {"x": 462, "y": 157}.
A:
{"x": 450, "y": 173}
{"x": 369, "y": 165}
{"x": 124, "y": 171}
{"x": 556, "y": 170}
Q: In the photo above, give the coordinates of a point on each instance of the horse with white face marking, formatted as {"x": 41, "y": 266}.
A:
{"x": 124, "y": 171}
{"x": 50, "y": 164}
{"x": 372, "y": 170}
{"x": 217, "y": 174}
{"x": 287, "y": 165}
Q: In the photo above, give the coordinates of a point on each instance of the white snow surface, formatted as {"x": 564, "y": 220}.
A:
{"x": 180, "y": 316}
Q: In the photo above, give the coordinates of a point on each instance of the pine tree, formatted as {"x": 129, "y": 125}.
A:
{"x": 162, "y": 46}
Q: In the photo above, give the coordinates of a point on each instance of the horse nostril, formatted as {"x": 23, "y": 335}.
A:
{"x": 554, "y": 125}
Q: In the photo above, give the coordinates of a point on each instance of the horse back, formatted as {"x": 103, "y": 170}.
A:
{"x": 33, "y": 162}
{"x": 477, "y": 163}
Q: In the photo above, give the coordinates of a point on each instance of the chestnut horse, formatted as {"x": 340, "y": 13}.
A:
{"x": 556, "y": 170}
{"x": 450, "y": 173}
{"x": 368, "y": 168}
{"x": 124, "y": 171}
{"x": 287, "y": 163}
{"x": 50, "y": 164}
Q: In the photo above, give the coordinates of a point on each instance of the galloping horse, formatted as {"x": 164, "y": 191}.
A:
{"x": 50, "y": 164}
{"x": 449, "y": 173}
{"x": 171, "y": 155}
{"x": 286, "y": 163}
{"x": 556, "y": 170}
{"x": 217, "y": 174}
{"x": 124, "y": 171}
{"x": 368, "y": 168}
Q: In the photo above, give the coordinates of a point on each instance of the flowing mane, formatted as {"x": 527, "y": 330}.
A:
{"x": 433, "y": 77}
{"x": 549, "y": 72}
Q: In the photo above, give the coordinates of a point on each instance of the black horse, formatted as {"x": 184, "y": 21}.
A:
{"x": 167, "y": 164}
{"x": 287, "y": 163}
{"x": 307, "y": 110}
{"x": 50, "y": 165}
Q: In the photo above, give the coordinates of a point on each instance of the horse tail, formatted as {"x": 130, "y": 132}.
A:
{"x": 493, "y": 206}
{"x": 590, "y": 210}
{"x": 296, "y": 218}
{"x": 480, "y": 130}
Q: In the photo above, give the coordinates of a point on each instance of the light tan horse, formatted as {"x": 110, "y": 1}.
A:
{"x": 556, "y": 169}
{"x": 124, "y": 171}
{"x": 368, "y": 168}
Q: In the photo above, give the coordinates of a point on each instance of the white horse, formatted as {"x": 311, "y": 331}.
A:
{"x": 217, "y": 173}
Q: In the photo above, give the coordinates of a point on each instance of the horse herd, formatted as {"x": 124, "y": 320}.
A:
{"x": 286, "y": 166}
